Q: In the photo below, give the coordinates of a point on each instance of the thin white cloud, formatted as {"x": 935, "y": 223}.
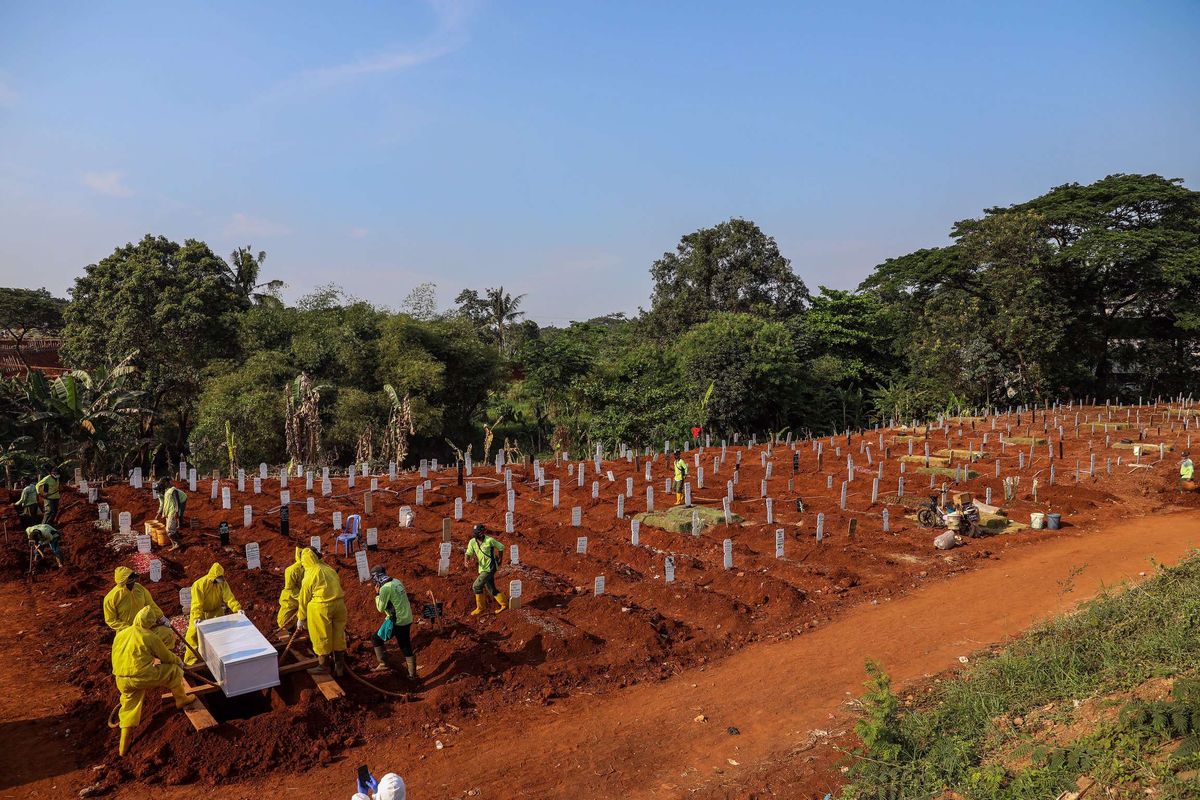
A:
{"x": 358, "y": 233}
{"x": 246, "y": 225}
{"x": 111, "y": 183}
{"x": 448, "y": 35}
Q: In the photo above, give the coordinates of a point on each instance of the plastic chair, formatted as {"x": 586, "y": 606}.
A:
{"x": 350, "y": 534}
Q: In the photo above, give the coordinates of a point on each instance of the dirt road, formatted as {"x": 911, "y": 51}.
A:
{"x": 645, "y": 741}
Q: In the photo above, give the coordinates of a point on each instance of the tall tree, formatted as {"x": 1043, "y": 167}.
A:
{"x": 732, "y": 267}
{"x": 1127, "y": 266}
{"x": 24, "y": 311}
{"x": 176, "y": 305}
{"x": 503, "y": 311}
{"x": 244, "y": 268}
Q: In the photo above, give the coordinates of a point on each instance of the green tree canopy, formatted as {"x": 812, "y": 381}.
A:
{"x": 732, "y": 267}
{"x": 176, "y": 305}
{"x": 24, "y": 311}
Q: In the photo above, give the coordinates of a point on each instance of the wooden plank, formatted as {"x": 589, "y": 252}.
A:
{"x": 297, "y": 666}
{"x": 328, "y": 685}
{"x": 197, "y": 713}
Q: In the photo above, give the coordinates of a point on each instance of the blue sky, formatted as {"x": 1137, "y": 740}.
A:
{"x": 558, "y": 148}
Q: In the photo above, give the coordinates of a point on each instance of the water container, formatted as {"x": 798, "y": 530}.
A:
{"x": 1053, "y": 521}
{"x": 1037, "y": 521}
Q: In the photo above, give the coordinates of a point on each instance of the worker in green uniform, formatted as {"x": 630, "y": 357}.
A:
{"x": 391, "y": 598}
{"x": 47, "y": 487}
{"x": 681, "y": 471}
{"x": 44, "y": 540}
{"x": 488, "y": 553}
{"x": 26, "y": 504}
{"x": 171, "y": 504}
{"x": 1186, "y": 468}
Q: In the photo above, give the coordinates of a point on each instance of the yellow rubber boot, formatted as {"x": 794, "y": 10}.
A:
{"x": 182, "y": 698}
{"x": 124, "y": 747}
{"x": 678, "y": 498}
{"x": 478, "y": 606}
{"x": 502, "y": 600}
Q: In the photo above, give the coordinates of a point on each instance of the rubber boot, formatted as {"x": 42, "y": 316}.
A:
{"x": 478, "y": 606}
{"x": 339, "y": 663}
{"x": 678, "y": 499}
{"x": 381, "y": 657}
{"x": 182, "y": 698}
{"x": 321, "y": 667}
{"x": 124, "y": 746}
{"x": 502, "y": 601}
{"x": 411, "y": 663}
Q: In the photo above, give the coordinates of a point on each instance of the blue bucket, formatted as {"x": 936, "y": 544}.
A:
{"x": 1053, "y": 522}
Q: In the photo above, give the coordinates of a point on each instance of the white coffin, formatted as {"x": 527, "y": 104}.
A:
{"x": 239, "y": 657}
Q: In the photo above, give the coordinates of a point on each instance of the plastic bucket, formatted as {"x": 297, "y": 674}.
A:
{"x": 1037, "y": 521}
{"x": 1053, "y": 521}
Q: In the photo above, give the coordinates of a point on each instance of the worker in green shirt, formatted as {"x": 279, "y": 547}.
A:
{"x": 171, "y": 504}
{"x": 47, "y": 487}
{"x": 392, "y": 599}
{"x": 27, "y": 504}
{"x": 681, "y": 471}
{"x": 1186, "y": 468}
{"x": 488, "y": 553}
{"x": 44, "y": 540}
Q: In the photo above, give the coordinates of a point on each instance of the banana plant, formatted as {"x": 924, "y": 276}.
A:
{"x": 79, "y": 410}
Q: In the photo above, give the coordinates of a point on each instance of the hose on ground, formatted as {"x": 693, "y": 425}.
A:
{"x": 379, "y": 689}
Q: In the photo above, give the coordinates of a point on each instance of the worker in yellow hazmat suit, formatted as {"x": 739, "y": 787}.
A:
{"x": 126, "y": 599}
{"x": 322, "y": 611}
{"x": 211, "y": 596}
{"x": 289, "y": 598}
{"x": 134, "y": 652}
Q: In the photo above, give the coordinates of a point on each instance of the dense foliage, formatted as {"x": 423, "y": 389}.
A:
{"x": 1084, "y": 290}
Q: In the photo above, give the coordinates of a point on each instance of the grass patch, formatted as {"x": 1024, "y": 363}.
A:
{"x": 1113, "y": 644}
{"x": 678, "y": 519}
{"x": 949, "y": 472}
{"x": 1025, "y": 440}
{"x": 934, "y": 461}
{"x": 962, "y": 455}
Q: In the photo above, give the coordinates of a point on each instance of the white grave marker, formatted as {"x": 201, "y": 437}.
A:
{"x": 581, "y": 545}
{"x": 143, "y": 543}
{"x": 360, "y": 561}
{"x": 727, "y": 547}
{"x": 514, "y": 555}
{"x": 155, "y": 570}
{"x": 599, "y": 587}
{"x": 315, "y": 543}
{"x": 253, "y": 557}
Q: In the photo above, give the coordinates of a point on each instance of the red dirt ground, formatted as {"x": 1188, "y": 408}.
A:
{"x": 566, "y": 653}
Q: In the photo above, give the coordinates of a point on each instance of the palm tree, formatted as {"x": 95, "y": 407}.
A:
{"x": 244, "y": 267}
{"x": 502, "y": 311}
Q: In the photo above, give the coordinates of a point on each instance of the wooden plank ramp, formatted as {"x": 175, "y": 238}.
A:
{"x": 197, "y": 713}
